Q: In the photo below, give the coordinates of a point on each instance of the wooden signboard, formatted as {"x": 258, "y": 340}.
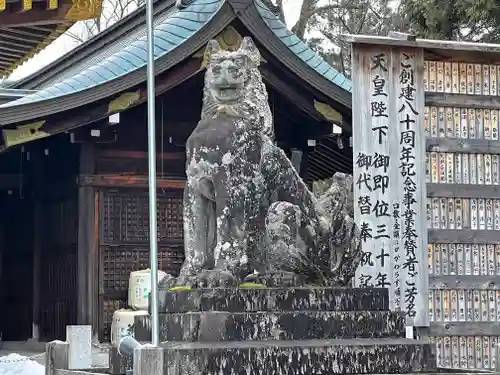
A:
{"x": 462, "y": 177}
{"x": 389, "y": 175}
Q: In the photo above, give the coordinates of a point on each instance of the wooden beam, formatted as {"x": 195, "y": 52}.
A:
{"x": 120, "y": 154}
{"x": 479, "y": 237}
{"x": 5, "y": 60}
{"x": 10, "y": 53}
{"x": 131, "y": 181}
{"x": 439, "y": 99}
{"x": 460, "y": 145}
{"x": 97, "y": 111}
{"x": 34, "y": 16}
{"x": 471, "y": 191}
{"x": 18, "y": 31}
{"x": 467, "y": 328}
{"x": 15, "y": 46}
{"x": 290, "y": 93}
{"x": 455, "y": 282}
{"x": 34, "y": 40}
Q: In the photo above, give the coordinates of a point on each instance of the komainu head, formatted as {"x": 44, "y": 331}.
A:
{"x": 229, "y": 72}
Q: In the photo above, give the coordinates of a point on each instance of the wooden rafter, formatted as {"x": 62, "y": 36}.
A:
{"x": 27, "y": 26}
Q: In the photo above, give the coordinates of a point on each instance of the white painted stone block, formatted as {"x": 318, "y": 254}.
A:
{"x": 79, "y": 339}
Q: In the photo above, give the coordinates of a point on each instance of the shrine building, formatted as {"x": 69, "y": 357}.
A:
{"x": 73, "y": 165}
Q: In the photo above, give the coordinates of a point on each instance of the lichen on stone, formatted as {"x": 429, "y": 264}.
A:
{"x": 248, "y": 216}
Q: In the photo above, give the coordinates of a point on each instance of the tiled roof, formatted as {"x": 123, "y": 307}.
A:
{"x": 169, "y": 33}
{"x": 171, "y": 29}
{"x": 301, "y": 49}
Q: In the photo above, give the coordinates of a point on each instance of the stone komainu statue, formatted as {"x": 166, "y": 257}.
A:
{"x": 248, "y": 216}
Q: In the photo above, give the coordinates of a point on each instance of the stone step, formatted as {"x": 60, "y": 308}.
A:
{"x": 301, "y": 325}
{"x": 299, "y": 357}
{"x": 307, "y": 357}
{"x": 274, "y": 299}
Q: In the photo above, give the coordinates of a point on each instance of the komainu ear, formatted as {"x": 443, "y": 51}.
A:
{"x": 213, "y": 48}
{"x": 250, "y": 49}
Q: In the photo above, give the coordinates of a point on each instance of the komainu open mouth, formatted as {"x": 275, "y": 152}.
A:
{"x": 227, "y": 92}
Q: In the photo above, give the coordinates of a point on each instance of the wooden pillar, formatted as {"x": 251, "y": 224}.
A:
{"x": 299, "y": 159}
{"x": 296, "y": 158}
{"x": 304, "y": 165}
{"x": 88, "y": 259}
{"x": 38, "y": 188}
{"x": 2, "y": 284}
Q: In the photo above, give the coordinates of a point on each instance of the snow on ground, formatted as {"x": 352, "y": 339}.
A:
{"x": 15, "y": 364}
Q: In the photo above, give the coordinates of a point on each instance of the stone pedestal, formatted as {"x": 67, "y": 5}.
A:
{"x": 276, "y": 331}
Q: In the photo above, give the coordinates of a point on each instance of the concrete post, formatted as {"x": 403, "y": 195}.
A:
{"x": 56, "y": 356}
{"x": 79, "y": 338}
{"x": 148, "y": 360}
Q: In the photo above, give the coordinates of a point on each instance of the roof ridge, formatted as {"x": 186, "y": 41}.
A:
{"x": 301, "y": 48}
{"x": 85, "y": 49}
{"x": 169, "y": 34}
{"x": 273, "y": 8}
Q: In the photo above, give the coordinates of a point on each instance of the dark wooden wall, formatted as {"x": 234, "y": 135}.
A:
{"x": 119, "y": 185}
{"x": 38, "y": 242}
{"x": 114, "y": 223}
{"x": 55, "y": 164}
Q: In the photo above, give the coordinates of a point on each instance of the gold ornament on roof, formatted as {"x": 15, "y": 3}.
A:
{"x": 84, "y": 10}
{"x": 229, "y": 39}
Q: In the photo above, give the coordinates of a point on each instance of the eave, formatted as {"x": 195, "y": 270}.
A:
{"x": 27, "y": 26}
{"x": 32, "y": 110}
{"x": 126, "y": 25}
{"x": 92, "y": 104}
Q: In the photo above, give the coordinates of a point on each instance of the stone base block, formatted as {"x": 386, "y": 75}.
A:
{"x": 328, "y": 357}
{"x": 301, "y": 325}
{"x": 300, "y": 357}
{"x": 274, "y": 299}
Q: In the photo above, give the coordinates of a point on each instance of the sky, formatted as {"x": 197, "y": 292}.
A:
{"x": 66, "y": 43}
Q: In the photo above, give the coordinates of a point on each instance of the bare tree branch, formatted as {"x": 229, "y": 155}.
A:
{"x": 310, "y": 9}
{"x": 113, "y": 11}
{"x": 279, "y": 4}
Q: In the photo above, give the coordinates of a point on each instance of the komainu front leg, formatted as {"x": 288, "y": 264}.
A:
{"x": 230, "y": 258}
{"x": 199, "y": 234}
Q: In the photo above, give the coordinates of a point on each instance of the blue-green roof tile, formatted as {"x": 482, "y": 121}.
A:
{"x": 301, "y": 49}
{"x": 171, "y": 32}
{"x": 171, "y": 29}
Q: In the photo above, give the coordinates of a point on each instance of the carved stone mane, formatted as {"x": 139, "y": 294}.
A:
{"x": 255, "y": 103}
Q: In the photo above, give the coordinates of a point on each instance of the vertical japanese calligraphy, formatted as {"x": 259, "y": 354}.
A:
{"x": 408, "y": 117}
{"x": 372, "y": 167}
{"x": 390, "y": 173}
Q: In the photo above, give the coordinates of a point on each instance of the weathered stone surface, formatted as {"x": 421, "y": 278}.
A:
{"x": 303, "y": 325}
{"x": 118, "y": 364}
{"x": 329, "y": 357}
{"x": 274, "y": 299}
{"x": 248, "y": 215}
